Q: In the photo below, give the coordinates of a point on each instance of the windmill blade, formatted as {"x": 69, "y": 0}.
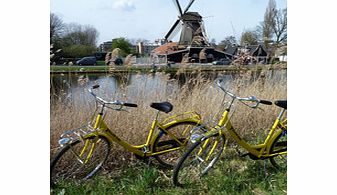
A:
{"x": 172, "y": 29}
{"x": 188, "y": 6}
{"x": 175, "y": 31}
{"x": 176, "y": 3}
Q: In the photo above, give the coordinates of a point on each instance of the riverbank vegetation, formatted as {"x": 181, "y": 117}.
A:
{"x": 186, "y": 91}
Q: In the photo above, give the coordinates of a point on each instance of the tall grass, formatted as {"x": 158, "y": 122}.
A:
{"x": 186, "y": 91}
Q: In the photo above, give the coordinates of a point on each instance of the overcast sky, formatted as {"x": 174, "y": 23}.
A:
{"x": 152, "y": 19}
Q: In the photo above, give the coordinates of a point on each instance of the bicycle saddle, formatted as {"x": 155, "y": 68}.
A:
{"x": 162, "y": 106}
{"x": 281, "y": 103}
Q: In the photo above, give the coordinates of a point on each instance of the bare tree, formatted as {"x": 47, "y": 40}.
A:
{"x": 280, "y": 27}
{"x": 79, "y": 40}
{"x": 56, "y": 27}
{"x": 81, "y": 34}
{"x": 273, "y": 29}
{"x": 268, "y": 23}
{"x": 249, "y": 37}
{"x": 228, "y": 41}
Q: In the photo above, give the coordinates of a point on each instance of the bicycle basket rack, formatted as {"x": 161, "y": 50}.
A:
{"x": 70, "y": 136}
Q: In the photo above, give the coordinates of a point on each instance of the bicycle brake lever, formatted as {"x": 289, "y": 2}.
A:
{"x": 121, "y": 109}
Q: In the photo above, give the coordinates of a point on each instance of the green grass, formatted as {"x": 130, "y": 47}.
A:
{"x": 78, "y": 68}
{"x": 231, "y": 175}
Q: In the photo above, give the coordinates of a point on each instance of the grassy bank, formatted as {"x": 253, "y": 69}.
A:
{"x": 232, "y": 175}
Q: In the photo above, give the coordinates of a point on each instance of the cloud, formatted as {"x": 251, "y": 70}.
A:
{"x": 124, "y": 5}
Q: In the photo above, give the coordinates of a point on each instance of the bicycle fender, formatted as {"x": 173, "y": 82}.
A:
{"x": 192, "y": 120}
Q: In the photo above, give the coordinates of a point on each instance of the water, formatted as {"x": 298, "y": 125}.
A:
{"x": 128, "y": 87}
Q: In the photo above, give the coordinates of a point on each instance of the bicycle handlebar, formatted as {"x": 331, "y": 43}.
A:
{"x": 250, "y": 98}
{"x": 104, "y": 102}
{"x": 130, "y": 104}
{"x": 266, "y": 102}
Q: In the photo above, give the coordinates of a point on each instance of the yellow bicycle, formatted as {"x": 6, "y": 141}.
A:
{"x": 200, "y": 157}
{"x": 84, "y": 150}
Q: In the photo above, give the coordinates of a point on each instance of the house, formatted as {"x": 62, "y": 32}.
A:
{"x": 281, "y": 53}
{"x": 180, "y": 53}
{"x": 257, "y": 51}
{"x": 166, "y": 48}
{"x": 232, "y": 50}
{"x": 105, "y": 46}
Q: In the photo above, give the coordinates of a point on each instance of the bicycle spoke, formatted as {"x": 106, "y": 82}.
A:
{"x": 198, "y": 160}
{"x": 80, "y": 160}
{"x": 171, "y": 145}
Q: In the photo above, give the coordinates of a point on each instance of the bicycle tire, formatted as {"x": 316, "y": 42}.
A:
{"x": 67, "y": 166}
{"x": 164, "y": 142}
{"x": 193, "y": 164}
{"x": 279, "y": 145}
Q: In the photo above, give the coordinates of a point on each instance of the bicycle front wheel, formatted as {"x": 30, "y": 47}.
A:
{"x": 79, "y": 160}
{"x": 171, "y": 148}
{"x": 279, "y": 146}
{"x": 198, "y": 160}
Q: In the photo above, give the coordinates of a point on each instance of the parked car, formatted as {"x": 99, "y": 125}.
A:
{"x": 91, "y": 60}
{"x": 118, "y": 61}
{"x": 223, "y": 61}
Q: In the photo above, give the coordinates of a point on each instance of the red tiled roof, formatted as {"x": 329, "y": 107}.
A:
{"x": 166, "y": 48}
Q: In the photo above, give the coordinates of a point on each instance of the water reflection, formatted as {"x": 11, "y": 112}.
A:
{"x": 68, "y": 86}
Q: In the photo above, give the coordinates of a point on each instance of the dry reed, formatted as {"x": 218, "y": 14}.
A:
{"x": 198, "y": 93}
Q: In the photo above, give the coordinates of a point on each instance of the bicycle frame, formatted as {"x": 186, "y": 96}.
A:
{"x": 259, "y": 150}
{"x": 146, "y": 149}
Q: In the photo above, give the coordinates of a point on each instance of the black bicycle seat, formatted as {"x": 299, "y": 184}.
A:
{"x": 162, "y": 106}
{"x": 281, "y": 103}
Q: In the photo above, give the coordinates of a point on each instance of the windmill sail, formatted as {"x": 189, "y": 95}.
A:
{"x": 176, "y": 3}
{"x": 171, "y": 30}
{"x": 193, "y": 45}
{"x": 176, "y": 30}
{"x": 187, "y": 21}
{"x": 188, "y": 6}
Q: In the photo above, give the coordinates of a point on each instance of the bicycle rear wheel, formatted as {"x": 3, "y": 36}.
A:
{"x": 198, "y": 160}
{"x": 165, "y": 142}
{"x": 279, "y": 146}
{"x": 79, "y": 160}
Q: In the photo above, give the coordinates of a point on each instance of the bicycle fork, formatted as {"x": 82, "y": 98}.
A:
{"x": 204, "y": 147}
{"x": 80, "y": 157}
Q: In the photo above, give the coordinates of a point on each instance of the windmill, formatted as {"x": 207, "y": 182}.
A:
{"x": 193, "y": 45}
{"x": 191, "y": 26}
